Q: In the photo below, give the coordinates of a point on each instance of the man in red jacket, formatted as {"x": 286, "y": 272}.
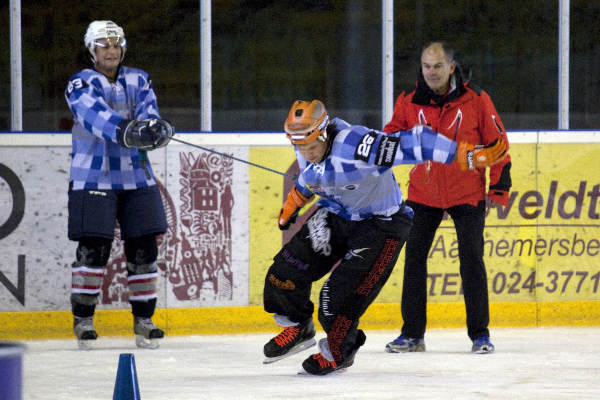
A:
{"x": 462, "y": 112}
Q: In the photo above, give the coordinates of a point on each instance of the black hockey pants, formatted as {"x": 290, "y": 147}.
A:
{"x": 367, "y": 251}
{"x": 469, "y": 222}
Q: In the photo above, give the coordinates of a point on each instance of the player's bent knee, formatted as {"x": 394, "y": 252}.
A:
{"x": 286, "y": 277}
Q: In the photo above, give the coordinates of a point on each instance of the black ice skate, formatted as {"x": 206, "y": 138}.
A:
{"x": 317, "y": 364}
{"x": 292, "y": 340}
{"x": 146, "y": 333}
{"x": 83, "y": 327}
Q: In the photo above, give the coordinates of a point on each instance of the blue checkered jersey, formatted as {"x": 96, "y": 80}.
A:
{"x": 356, "y": 180}
{"x": 98, "y": 105}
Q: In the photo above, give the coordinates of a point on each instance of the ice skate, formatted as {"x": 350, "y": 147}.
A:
{"x": 317, "y": 364}
{"x": 405, "y": 344}
{"x": 322, "y": 363}
{"x": 147, "y": 334}
{"x": 83, "y": 327}
{"x": 292, "y": 340}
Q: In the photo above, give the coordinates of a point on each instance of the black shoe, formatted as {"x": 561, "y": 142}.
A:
{"x": 317, "y": 364}
{"x": 292, "y": 340}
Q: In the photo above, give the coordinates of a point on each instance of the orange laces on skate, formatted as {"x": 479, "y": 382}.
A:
{"x": 323, "y": 362}
{"x": 289, "y": 334}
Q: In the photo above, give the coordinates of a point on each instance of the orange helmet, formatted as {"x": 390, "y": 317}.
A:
{"x": 306, "y": 122}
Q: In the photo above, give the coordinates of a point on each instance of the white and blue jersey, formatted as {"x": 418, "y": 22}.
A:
{"x": 98, "y": 105}
{"x": 356, "y": 181}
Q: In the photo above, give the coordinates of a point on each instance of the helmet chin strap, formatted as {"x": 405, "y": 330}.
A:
{"x": 328, "y": 138}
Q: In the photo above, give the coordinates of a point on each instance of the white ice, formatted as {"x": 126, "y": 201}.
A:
{"x": 532, "y": 363}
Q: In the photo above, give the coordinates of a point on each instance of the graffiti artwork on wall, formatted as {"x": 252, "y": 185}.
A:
{"x": 195, "y": 252}
{"x": 204, "y": 269}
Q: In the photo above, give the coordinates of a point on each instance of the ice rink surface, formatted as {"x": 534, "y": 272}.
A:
{"x": 532, "y": 363}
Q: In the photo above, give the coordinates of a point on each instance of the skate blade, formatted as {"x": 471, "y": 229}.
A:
{"x": 302, "y": 346}
{"x": 85, "y": 345}
{"x": 143, "y": 343}
{"x": 337, "y": 371}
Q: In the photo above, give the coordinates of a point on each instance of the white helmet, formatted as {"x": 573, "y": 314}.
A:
{"x": 104, "y": 30}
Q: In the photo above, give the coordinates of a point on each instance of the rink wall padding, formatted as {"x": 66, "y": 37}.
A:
{"x": 253, "y": 319}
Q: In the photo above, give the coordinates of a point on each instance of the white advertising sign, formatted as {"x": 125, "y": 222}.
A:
{"x": 203, "y": 257}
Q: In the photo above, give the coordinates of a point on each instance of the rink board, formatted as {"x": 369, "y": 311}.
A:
{"x": 541, "y": 251}
{"x": 248, "y": 319}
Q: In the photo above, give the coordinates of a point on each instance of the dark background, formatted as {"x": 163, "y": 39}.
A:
{"x": 266, "y": 54}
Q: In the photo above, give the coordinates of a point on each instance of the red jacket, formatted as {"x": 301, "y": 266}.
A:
{"x": 466, "y": 114}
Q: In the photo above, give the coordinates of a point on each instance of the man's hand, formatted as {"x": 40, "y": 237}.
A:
{"x": 148, "y": 134}
{"x": 496, "y": 196}
{"x": 288, "y": 213}
{"x": 471, "y": 156}
{"x": 162, "y": 131}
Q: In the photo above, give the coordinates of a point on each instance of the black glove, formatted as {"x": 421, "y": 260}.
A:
{"x": 148, "y": 134}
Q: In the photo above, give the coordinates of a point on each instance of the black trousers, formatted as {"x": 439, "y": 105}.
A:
{"x": 366, "y": 251}
{"x": 469, "y": 222}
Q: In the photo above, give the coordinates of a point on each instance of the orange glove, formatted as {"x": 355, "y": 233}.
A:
{"x": 469, "y": 156}
{"x": 294, "y": 202}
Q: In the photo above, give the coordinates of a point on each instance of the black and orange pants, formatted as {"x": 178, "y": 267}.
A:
{"x": 360, "y": 255}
